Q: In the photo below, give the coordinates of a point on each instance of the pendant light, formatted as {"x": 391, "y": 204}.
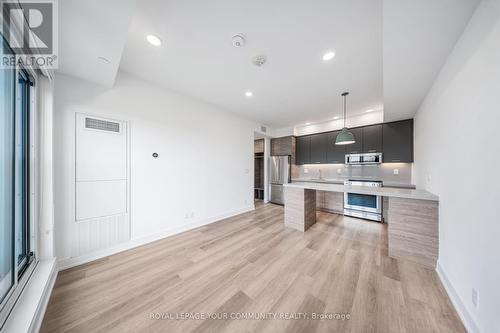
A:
{"x": 345, "y": 137}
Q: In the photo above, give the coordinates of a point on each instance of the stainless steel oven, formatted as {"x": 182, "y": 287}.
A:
{"x": 365, "y": 206}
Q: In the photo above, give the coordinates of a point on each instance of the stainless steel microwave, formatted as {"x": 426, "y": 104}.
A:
{"x": 368, "y": 158}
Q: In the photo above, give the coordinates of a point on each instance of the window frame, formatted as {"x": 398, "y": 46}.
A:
{"x": 26, "y": 168}
{"x": 23, "y": 274}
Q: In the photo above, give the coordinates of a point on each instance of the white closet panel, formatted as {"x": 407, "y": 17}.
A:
{"x": 101, "y": 183}
{"x": 101, "y": 198}
{"x": 100, "y": 154}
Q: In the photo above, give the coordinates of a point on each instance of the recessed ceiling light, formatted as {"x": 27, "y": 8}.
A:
{"x": 154, "y": 40}
{"x": 369, "y": 110}
{"x": 308, "y": 123}
{"x": 328, "y": 55}
{"x": 336, "y": 117}
{"x": 248, "y": 94}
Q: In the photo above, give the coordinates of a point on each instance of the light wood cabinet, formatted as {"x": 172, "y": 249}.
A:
{"x": 330, "y": 201}
{"x": 258, "y": 146}
{"x": 414, "y": 230}
{"x": 282, "y": 146}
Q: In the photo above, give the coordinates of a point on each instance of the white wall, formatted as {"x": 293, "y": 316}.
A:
{"x": 458, "y": 158}
{"x": 205, "y": 164}
{"x": 364, "y": 119}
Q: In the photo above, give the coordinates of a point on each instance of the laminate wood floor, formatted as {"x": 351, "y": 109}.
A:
{"x": 252, "y": 263}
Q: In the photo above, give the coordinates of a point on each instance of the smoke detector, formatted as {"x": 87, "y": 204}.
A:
{"x": 238, "y": 40}
{"x": 259, "y": 60}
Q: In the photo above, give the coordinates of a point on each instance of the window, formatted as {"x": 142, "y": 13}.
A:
{"x": 23, "y": 101}
{"x": 7, "y": 147}
{"x": 16, "y": 222}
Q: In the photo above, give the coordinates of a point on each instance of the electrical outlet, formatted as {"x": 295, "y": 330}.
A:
{"x": 396, "y": 171}
{"x": 475, "y": 298}
{"x": 306, "y": 170}
{"x": 186, "y": 216}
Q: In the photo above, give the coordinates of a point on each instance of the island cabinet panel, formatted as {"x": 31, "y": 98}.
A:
{"x": 330, "y": 201}
{"x": 356, "y": 147}
{"x": 303, "y": 155}
{"x": 319, "y": 144}
{"x": 413, "y": 230}
{"x": 372, "y": 139}
{"x": 320, "y": 199}
{"x": 300, "y": 208}
{"x": 335, "y": 154}
{"x": 397, "y": 141}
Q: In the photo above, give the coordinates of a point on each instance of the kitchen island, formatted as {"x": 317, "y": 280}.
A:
{"x": 412, "y": 216}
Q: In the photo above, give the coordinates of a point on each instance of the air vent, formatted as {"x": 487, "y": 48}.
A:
{"x": 102, "y": 125}
{"x": 263, "y": 129}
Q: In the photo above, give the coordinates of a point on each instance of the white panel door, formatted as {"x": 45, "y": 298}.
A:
{"x": 101, "y": 183}
{"x": 100, "y": 154}
{"x": 101, "y": 198}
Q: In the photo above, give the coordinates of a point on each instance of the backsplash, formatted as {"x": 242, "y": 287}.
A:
{"x": 384, "y": 172}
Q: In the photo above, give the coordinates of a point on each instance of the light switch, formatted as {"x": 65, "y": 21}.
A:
{"x": 339, "y": 171}
{"x": 396, "y": 171}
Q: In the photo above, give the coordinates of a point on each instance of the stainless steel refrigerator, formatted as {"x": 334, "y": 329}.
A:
{"x": 280, "y": 174}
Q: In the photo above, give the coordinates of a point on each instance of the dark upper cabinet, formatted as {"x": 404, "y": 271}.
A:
{"x": 372, "y": 139}
{"x": 357, "y": 147}
{"x": 394, "y": 140}
{"x": 303, "y": 147}
{"x": 397, "y": 140}
{"x": 319, "y": 144}
{"x": 335, "y": 154}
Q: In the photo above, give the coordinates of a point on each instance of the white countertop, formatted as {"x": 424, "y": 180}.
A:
{"x": 341, "y": 182}
{"x": 382, "y": 191}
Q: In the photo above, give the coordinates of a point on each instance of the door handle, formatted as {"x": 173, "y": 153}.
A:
{"x": 279, "y": 169}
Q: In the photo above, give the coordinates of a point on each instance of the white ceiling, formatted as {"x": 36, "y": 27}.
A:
{"x": 294, "y": 86}
{"x": 388, "y": 52}
{"x": 90, "y": 29}
{"x": 418, "y": 37}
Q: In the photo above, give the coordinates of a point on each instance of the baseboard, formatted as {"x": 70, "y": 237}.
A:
{"x": 66, "y": 263}
{"x": 467, "y": 320}
{"x": 36, "y": 324}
